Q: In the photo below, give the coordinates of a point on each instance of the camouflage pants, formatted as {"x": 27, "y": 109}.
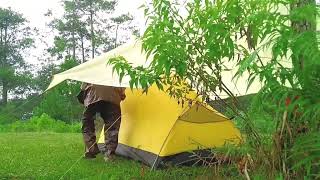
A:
{"x": 109, "y": 113}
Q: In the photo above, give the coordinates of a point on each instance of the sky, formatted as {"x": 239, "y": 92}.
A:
{"x": 34, "y": 10}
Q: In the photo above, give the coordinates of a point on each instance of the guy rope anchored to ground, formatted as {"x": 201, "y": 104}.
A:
{"x": 83, "y": 155}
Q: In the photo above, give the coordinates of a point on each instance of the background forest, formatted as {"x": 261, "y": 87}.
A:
{"x": 85, "y": 30}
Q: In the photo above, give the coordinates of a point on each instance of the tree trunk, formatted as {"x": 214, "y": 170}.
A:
{"x": 1, "y": 48}
{"x": 92, "y": 34}
{"x": 1, "y": 37}
{"x": 3, "y": 65}
{"x": 73, "y": 35}
{"x": 73, "y": 46}
{"x": 115, "y": 41}
{"x": 82, "y": 49}
{"x": 4, "y": 93}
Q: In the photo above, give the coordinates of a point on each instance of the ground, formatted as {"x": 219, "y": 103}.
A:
{"x": 58, "y": 156}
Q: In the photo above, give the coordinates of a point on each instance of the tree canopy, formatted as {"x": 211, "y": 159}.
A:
{"x": 15, "y": 39}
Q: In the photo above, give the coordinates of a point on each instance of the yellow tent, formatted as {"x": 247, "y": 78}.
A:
{"x": 155, "y": 128}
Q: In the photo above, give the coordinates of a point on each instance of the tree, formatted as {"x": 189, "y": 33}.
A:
{"x": 15, "y": 38}
{"x": 120, "y": 20}
{"x": 195, "y": 48}
{"x": 71, "y": 29}
{"x": 96, "y": 12}
{"x": 86, "y": 26}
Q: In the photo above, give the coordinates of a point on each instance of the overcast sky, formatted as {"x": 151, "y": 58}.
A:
{"x": 34, "y": 10}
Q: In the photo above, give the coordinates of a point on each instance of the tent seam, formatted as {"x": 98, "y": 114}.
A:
{"x": 206, "y": 122}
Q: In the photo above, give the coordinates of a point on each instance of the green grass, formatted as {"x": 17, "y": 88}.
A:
{"x": 50, "y": 155}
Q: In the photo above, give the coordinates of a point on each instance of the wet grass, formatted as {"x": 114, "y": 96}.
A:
{"x": 58, "y": 155}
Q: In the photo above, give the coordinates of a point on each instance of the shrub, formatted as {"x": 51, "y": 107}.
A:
{"x": 43, "y": 123}
{"x": 61, "y": 103}
{"x": 6, "y": 115}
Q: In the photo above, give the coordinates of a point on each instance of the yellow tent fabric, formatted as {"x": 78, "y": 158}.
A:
{"x": 156, "y": 123}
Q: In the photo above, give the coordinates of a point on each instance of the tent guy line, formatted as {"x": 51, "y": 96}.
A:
{"x": 90, "y": 147}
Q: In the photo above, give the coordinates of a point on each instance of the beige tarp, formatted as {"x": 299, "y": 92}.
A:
{"x": 96, "y": 71}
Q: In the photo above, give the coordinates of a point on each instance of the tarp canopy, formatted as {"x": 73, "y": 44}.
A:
{"x": 155, "y": 126}
{"x": 96, "y": 71}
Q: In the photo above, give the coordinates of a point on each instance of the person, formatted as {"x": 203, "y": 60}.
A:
{"x": 106, "y": 101}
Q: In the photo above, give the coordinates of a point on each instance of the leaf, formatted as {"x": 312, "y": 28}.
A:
{"x": 245, "y": 64}
{"x": 159, "y": 85}
{"x": 131, "y": 83}
{"x": 251, "y": 80}
{"x": 121, "y": 75}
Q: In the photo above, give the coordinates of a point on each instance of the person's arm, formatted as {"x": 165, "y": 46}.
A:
{"x": 82, "y": 94}
{"x": 84, "y": 86}
{"x": 121, "y": 92}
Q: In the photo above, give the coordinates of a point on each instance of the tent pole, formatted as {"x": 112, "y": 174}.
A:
{"x": 155, "y": 161}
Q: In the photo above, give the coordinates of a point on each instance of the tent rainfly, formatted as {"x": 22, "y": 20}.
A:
{"x": 155, "y": 128}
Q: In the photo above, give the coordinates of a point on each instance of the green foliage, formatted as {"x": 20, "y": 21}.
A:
{"x": 44, "y": 76}
{"x": 61, "y": 102}
{"x": 43, "y": 123}
{"x": 15, "y": 39}
{"x": 6, "y": 114}
{"x": 262, "y": 113}
{"x": 122, "y": 18}
{"x": 306, "y": 155}
{"x": 274, "y": 41}
{"x": 18, "y": 109}
{"x": 72, "y": 33}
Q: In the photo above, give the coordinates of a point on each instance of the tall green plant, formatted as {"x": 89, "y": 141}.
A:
{"x": 280, "y": 49}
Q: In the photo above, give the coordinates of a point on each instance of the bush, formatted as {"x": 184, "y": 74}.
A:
{"x": 61, "y": 103}
{"x": 6, "y": 114}
{"x": 43, "y": 123}
{"x": 18, "y": 109}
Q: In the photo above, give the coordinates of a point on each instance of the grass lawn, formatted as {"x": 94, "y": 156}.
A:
{"x": 51, "y": 155}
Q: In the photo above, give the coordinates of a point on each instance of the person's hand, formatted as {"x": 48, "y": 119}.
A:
{"x": 123, "y": 97}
